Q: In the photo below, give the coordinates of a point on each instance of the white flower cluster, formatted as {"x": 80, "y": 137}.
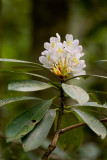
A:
{"x": 63, "y": 58}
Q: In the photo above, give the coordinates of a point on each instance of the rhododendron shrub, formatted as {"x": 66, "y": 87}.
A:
{"x": 64, "y": 60}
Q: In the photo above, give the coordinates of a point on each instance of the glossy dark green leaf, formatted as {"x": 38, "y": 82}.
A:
{"x": 28, "y": 85}
{"x": 76, "y": 93}
{"x": 92, "y": 104}
{"x": 36, "y": 137}
{"x": 15, "y": 99}
{"x": 26, "y": 121}
{"x": 72, "y": 139}
{"x": 92, "y": 122}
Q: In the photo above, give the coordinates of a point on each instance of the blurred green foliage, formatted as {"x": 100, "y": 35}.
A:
{"x": 26, "y": 25}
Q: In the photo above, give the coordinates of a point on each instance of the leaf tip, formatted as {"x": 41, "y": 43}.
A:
{"x": 104, "y": 134}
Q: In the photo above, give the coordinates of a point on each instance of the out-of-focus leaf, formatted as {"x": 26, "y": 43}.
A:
{"x": 32, "y": 74}
{"x": 88, "y": 148}
{"x": 26, "y": 67}
{"x": 26, "y": 121}
{"x": 18, "y": 61}
{"x": 92, "y": 122}
{"x": 102, "y": 60}
{"x": 27, "y": 62}
{"x": 91, "y": 104}
{"x": 28, "y": 85}
{"x": 94, "y": 97}
{"x": 33, "y": 63}
{"x": 34, "y": 139}
{"x": 97, "y": 92}
{"x": 70, "y": 140}
{"x": 86, "y": 76}
{"x": 15, "y": 99}
{"x": 37, "y": 75}
{"x": 76, "y": 93}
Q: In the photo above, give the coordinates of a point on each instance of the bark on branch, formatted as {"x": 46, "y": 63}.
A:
{"x": 78, "y": 125}
{"x": 58, "y": 130}
{"x": 61, "y": 131}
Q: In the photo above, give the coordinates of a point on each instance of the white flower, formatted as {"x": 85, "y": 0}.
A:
{"x": 63, "y": 58}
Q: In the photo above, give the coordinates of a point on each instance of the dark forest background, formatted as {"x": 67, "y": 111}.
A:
{"x": 24, "y": 27}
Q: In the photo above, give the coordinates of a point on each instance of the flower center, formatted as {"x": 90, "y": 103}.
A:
{"x": 49, "y": 58}
{"x": 53, "y": 45}
{"x": 69, "y": 42}
{"x": 75, "y": 60}
{"x": 60, "y": 50}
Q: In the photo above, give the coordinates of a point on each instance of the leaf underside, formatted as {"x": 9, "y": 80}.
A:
{"x": 92, "y": 122}
{"x": 76, "y": 93}
{"x": 91, "y": 104}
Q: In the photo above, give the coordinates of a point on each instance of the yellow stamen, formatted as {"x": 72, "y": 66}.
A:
{"x": 49, "y": 58}
{"x": 75, "y": 60}
{"x": 69, "y": 42}
{"x": 53, "y": 45}
{"x": 57, "y": 71}
{"x": 60, "y": 50}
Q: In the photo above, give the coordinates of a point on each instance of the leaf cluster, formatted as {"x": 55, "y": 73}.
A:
{"x": 33, "y": 125}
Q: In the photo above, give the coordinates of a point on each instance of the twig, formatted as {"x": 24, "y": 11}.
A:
{"x": 78, "y": 125}
{"x": 61, "y": 131}
{"x": 52, "y": 146}
{"x": 58, "y": 130}
{"x": 61, "y": 109}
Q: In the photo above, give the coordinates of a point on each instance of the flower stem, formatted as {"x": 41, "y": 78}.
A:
{"x": 58, "y": 130}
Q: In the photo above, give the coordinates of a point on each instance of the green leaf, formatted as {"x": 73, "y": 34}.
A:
{"x": 18, "y": 61}
{"x": 28, "y": 85}
{"x": 15, "y": 99}
{"x": 97, "y": 92}
{"x": 86, "y": 76}
{"x": 93, "y": 123}
{"x": 32, "y": 74}
{"x": 27, "y": 62}
{"x": 26, "y": 121}
{"x": 102, "y": 60}
{"x": 33, "y": 63}
{"x": 97, "y": 76}
{"x": 26, "y": 67}
{"x": 92, "y": 104}
{"x": 94, "y": 97}
{"x": 70, "y": 140}
{"x": 34, "y": 139}
{"x": 76, "y": 93}
{"x": 37, "y": 75}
